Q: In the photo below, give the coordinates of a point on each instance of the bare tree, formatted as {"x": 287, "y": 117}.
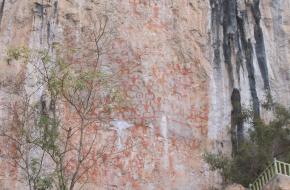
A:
{"x": 56, "y": 140}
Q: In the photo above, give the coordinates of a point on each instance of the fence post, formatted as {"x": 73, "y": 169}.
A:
{"x": 250, "y": 186}
{"x": 275, "y": 166}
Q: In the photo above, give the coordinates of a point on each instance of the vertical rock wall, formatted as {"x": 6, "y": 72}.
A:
{"x": 242, "y": 32}
{"x": 187, "y": 67}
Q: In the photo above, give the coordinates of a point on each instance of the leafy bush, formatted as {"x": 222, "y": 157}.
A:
{"x": 16, "y": 53}
{"x": 264, "y": 142}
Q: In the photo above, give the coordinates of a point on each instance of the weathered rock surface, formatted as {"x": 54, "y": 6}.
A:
{"x": 280, "y": 182}
{"x": 187, "y": 67}
{"x": 235, "y": 187}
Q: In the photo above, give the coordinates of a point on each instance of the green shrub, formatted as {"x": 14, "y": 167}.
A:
{"x": 264, "y": 142}
{"x": 16, "y": 53}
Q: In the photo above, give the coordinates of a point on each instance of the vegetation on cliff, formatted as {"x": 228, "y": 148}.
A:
{"x": 265, "y": 140}
{"x": 57, "y": 112}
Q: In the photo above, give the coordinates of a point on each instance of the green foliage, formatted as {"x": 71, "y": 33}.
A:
{"x": 49, "y": 133}
{"x": 92, "y": 95}
{"x": 218, "y": 163}
{"x": 44, "y": 56}
{"x": 265, "y": 141}
{"x": 40, "y": 182}
{"x": 44, "y": 183}
{"x": 16, "y": 53}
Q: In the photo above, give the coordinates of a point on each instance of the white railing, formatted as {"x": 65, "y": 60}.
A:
{"x": 277, "y": 167}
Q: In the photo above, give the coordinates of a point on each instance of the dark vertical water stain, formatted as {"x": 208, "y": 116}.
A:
{"x": 55, "y": 5}
{"x": 237, "y": 128}
{"x": 230, "y": 22}
{"x": 251, "y": 77}
{"x": 55, "y": 10}
{"x": 260, "y": 46}
{"x": 227, "y": 50}
{"x": 2, "y": 11}
{"x": 248, "y": 53}
{"x": 42, "y": 20}
{"x": 229, "y": 37}
{"x": 48, "y": 32}
{"x": 239, "y": 62}
{"x": 229, "y": 33}
{"x": 40, "y": 11}
{"x": 216, "y": 15}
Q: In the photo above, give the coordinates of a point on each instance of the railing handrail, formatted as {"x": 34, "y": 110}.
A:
{"x": 275, "y": 168}
{"x": 260, "y": 177}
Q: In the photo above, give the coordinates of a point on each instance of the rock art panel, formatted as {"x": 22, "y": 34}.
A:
{"x": 184, "y": 68}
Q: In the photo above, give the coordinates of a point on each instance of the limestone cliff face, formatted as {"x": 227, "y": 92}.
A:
{"x": 187, "y": 66}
